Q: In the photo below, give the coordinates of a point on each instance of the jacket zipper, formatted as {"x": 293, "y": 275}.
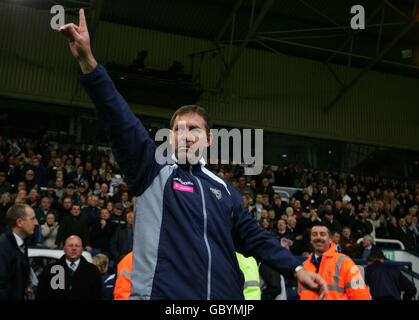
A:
{"x": 205, "y": 235}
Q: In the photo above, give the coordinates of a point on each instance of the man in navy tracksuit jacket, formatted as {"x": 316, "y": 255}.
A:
{"x": 188, "y": 221}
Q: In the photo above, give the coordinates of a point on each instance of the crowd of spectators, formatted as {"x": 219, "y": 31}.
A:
{"x": 353, "y": 205}
{"x": 75, "y": 189}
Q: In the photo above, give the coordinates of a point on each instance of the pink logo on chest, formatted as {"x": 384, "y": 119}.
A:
{"x": 181, "y": 187}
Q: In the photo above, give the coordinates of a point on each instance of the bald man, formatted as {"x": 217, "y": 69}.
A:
{"x": 71, "y": 277}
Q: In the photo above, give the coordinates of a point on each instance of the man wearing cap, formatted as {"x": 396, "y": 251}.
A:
{"x": 117, "y": 217}
{"x": 70, "y": 191}
{"x": 331, "y": 222}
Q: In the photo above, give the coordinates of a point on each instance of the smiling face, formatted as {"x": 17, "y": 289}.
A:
{"x": 189, "y": 137}
{"x": 320, "y": 239}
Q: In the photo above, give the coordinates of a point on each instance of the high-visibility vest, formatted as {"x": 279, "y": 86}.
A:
{"x": 248, "y": 266}
{"x": 250, "y": 270}
{"x": 343, "y": 278}
{"x": 122, "y": 288}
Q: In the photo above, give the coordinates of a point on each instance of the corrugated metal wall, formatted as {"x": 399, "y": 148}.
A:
{"x": 278, "y": 93}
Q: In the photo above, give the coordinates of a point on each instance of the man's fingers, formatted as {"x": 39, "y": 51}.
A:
{"x": 82, "y": 20}
{"x": 70, "y": 31}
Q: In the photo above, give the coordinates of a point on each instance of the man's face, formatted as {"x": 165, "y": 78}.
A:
{"x": 189, "y": 137}
{"x": 259, "y": 198}
{"x": 28, "y": 223}
{"x": 29, "y": 175}
{"x": 366, "y": 242}
{"x": 73, "y": 248}
{"x": 93, "y": 201}
{"x": 67, "y": 203}
{"x": 281, "y": 225}
{"x": 242, "y": 181}
{"x": 104, "y": 214}
{"x": 336, "y": 237}
{"x": 130, "y": 219}
{"x": 45, "y": 203}
{"x": 320, "y": 239}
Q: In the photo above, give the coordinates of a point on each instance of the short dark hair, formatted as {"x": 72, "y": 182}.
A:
{"x": 375, "y": 255}
{"x": 193, "y": 109}
{"x": 15, "y": 212}
{"x": 322, "y": 224}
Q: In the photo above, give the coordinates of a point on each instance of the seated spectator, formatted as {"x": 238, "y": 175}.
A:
{"x": 242, "y": 187}
{"x": 330, "y": 222}
{"x": 122, "y": 239}
{"x": 101, "y": 261}
{"x": 73, "y": 225}
{"x": 70, "y": 191}
{"x": 266, "y": 188}
{"x": 298, "y": 210}
{"x": 336, "y": 240}
{"x": 387, "y": 282}
{"x": 266, "y": 202}
{"x": 279, "y": 206}
{"x": 45, "y": 208}
{"x": 349, "y": 245}
{"x": 125, "y": 200}
{"x": 405, "y": 235}
{"x": 49, "y": 231}
{"x": 272, "y": 218}
{"x": 5, "y": 186}
{"x": 5, "y": 204}
{"x": 29, "y": 180}
{"x": 101, "y": 233}
{"x": 91, "y": 213}
{"x": 59, "y": 189}
{"x": 375, "y": 223}
{"x": 33, "y": 198}
{"x": 65, "y": 209}
{"x": 367, "y": 247}
{"x": 281, "y": 230}
{"x": 258, "y": 206}
{"x": 117, "y": 217}
{"x": 393, "y": 228}
{"x": 361, "y": 227}
{"x": 265, "y": 224}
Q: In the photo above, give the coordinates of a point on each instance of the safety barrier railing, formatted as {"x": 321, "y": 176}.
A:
{"x": 379, "y": 240}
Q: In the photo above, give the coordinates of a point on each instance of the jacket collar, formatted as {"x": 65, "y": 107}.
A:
{"x": 329, "y": 253}
{"x": 202, "y": 161}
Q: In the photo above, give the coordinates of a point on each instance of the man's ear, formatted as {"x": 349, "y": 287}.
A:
{"x": 210, "y": 137}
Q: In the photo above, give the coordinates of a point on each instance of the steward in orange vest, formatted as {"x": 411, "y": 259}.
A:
{"x": 122, "y": 288}
{"x": 343, "y": 277}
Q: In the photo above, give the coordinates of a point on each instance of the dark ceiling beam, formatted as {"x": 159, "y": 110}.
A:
{"x": 250, "y": 35}
{"x": 371, "y": 65}
{"x": 227, "y": 21}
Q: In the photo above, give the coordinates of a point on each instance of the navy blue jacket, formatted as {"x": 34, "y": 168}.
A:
{"x": 188, "y": 221}
{"x": 14, "y": 268}
{"x": 387, "y": 282}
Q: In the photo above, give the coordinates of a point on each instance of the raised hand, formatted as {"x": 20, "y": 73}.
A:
{"x": 79, "y": 42}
